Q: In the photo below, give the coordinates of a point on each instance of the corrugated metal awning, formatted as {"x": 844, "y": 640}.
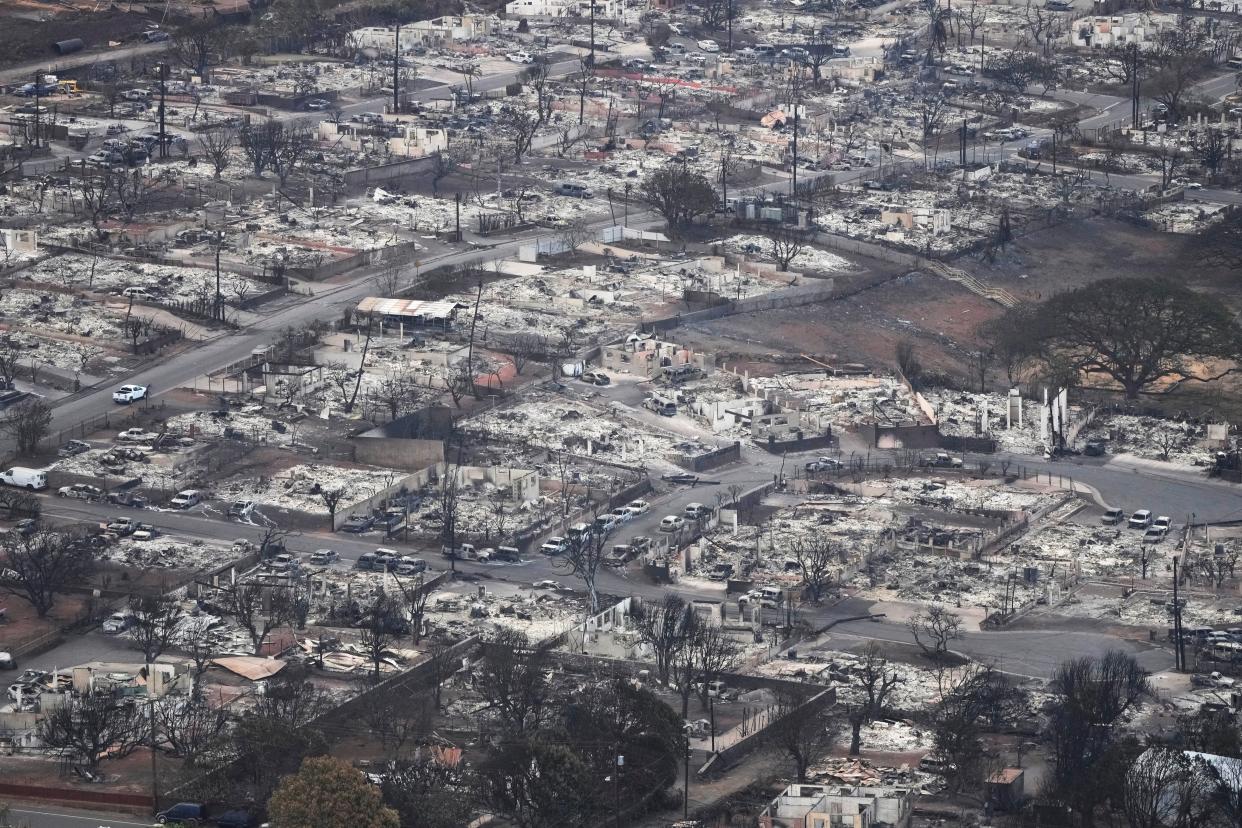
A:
{"x": 408, "y": 308}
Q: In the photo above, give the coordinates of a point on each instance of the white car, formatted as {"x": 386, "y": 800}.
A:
{"x": 638, "y": 507}
{"x": 555, "y": 546}
{"x": 621, "y": 515}
{"x": 241, "y": 509}
{"x": 186, "y": 499}
{"x": 519, "y": 57}
{"x": 137, "y": 435}
{"x": 709, "y": 45}
{"x": 546, "y": 584}
{"x": 118, "y": 622}
{"x": 1140, "y": 519}
{"x": 129, "y": 393}
{"x": 672, "y": 523}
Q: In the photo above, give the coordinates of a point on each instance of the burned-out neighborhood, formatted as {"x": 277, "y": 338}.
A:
{"x": 567, "y": 413}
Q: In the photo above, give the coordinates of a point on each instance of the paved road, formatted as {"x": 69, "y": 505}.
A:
{"x": 25, "y": 71}
{"x": 46, "y": 816}
{"x": 1130, "y": 486}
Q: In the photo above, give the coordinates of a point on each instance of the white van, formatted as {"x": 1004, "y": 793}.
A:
{"x": 771, "y": 596}
{"x": 24, "y": 478}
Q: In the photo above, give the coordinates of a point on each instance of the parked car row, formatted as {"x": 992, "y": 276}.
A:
{"x": 1154, "y": 528}
{"x": 390, "y": 560}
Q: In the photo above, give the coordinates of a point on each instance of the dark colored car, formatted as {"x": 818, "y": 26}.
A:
{"x": 235, "y": 819}
{"x": 186, "y": 812}
{"x": 359, "y": 524}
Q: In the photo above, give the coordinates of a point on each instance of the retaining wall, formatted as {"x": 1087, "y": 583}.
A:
{"x": 712, "y": 460}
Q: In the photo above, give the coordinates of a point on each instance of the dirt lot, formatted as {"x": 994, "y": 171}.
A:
{"x": 24, "y": 626}
{"x": 23, "y": 38}
{"x": 1078, "y": 253}
{"x": 884, "y": 306}
{"x": 938, "y": 316}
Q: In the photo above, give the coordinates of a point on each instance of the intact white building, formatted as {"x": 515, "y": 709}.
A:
{"x": 1100, "y": 32}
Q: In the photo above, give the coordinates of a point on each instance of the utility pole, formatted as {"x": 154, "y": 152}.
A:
{"x": 797, "y": 97}
{"x": 729, "y": 20}
{"x": 1179, "y": 653}
{"x": 616, "y": 789}
{"x": 1134, "y": 86}
{"x": 163, "y": 88}
{"x": 711, "y": 705}
{"x": 219, "y": 243}
{"x": 155, "y": 779}
{"x": 36, "y": 112}
{"x": 963, "y": 148}
{"x": 457, "y": 198}
{"x": 396, "y": 70}
{"x": 591, "y": 58}
{"x": 685, "y": 793}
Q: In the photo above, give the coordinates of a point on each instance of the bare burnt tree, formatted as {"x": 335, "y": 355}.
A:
{"x": 818, "y": 559}
{"x": 713, "y": 652}
{"x": 332, "y": 501}
{"x": 876, "y": 678}
{"x": 662, "y": 626}
{"x": 27, "y": 423}
{"x": 802, "y": 728}
{"x": 536, "y": 77}
{"x": 217, "y": 145}
{"x": 189, "y": 727}
{"x": 291, "y": 146}
{"x": 43, "y": 564}
{"x": 381, "y": 626}
{"x": 933, "y": 630}
{"x": 415, "y": 594}
{"x": 511, "y": 679}
{"x": 200, "y": 43}
{"x": 583, "y": 558}
{"x": 519, "y": 126}
{"x": 786, "y": 244}
{"x": 1166, "y": 788}
{"x": 86, "y": 730}
{"x": 524, "y": 347}
{"x": 258, "y": 609}
{"x": 155, "y": 624}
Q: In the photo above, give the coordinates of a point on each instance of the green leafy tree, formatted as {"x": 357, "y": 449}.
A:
{"x": 327, "y": 793}
{"x": 1138, "y": 333}
{"x": 537, "y": 784}
{"x": 431, "y": 793}
{"x": 679, "y": 194}
{"x": 619, "y": 719}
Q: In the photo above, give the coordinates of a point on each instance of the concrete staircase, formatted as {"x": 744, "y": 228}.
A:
{"x": 1001, "y": 297}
